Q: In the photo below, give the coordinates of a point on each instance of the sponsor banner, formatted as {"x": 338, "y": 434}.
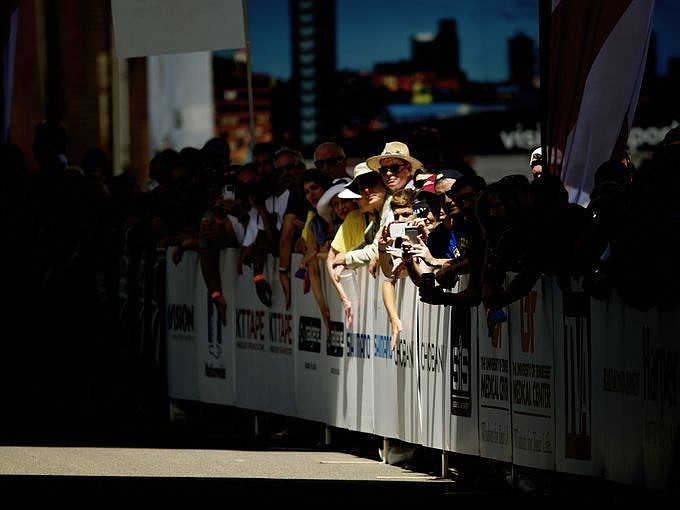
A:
{"x": 573, "y": 377}
{"x": 462, "y": 376}
{"x": 659, "y": 385}
{"x": 495, "y": 432}
{"x": 616, "y": 396}
{"x": 358, "y": 389}
{"x": 433, "y": 368}
{"x": 387, "y": 400}
{"x": 180, "y": 326}
{"x": 334, "y": 372}
{"x": 532, "y": 377}
{"x": 280, "y": 347}
{"x": 448, "y": 384}
{"x": 406, "y": 364}
{"x": 309, "y": 346}
{"x": 215, "y": 341}
{"x": 252, "y": 363}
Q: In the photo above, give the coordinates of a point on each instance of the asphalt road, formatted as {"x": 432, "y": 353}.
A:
{"x": 212, "y": 454}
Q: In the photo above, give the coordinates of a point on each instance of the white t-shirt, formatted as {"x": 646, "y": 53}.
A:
{"x": 278, "y": 205}
{"x": 239, "y": 230}
{"x": 255, "y": 224}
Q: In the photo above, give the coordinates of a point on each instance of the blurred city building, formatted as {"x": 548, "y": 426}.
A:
{"x": 313, "y": 79}
{"x": 66, "y": 69}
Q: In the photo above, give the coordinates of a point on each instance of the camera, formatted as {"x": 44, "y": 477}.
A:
{"x": 427, "y": 280}
{"x": 228, "y": 192}
{"x": 397, "y": 231}
{"x": 411, "y": 232}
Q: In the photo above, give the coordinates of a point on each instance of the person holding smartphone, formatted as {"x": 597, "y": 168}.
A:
{"x": 389, "y": 254}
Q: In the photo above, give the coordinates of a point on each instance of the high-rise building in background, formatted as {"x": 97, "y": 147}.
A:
{"x": 424, "y": 52}
{"x": 313, "y": 71}
{"x": 448, "y": 50}
{"x": 521, "y": 57}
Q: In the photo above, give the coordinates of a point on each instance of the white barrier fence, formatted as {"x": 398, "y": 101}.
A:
{"x": 568, "y": 383}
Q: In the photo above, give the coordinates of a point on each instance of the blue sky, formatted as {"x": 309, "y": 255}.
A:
{"x": 372, "y": 31}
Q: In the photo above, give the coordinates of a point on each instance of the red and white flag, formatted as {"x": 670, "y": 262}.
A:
{"x": 596, "y": 57}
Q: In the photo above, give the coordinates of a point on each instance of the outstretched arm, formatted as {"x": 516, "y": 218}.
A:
{"x": 285, "y": 252}
{"x": 210, "y": 269}
{"x": 389, "y": 294}
{"x": 335, "y": 280}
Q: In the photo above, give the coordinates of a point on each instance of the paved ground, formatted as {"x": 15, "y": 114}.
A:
{"x": 211, "y": 454}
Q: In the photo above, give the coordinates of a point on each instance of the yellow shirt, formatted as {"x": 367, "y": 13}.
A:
{"x": 350, "y": 233}
{"x": 305, "y": 229}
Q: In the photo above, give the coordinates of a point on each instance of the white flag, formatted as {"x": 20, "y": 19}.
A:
{"x": 596, "y": 59}
{"x": 157, "y": 27}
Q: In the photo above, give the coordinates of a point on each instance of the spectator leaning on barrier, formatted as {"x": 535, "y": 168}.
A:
{"x": 333, "y": 210}
{"x": 290, "y": 165}
{"x": 464, "y": 193}
{"x": 223, "y": 225}
{"x": 511, "y": 225}
{"x": 258, "y": 239}
{"x": 396, "y": 166}
{"x": 432, "y": 249}
{"x": 314, "y": 184}
{"x": 360, "y": 227}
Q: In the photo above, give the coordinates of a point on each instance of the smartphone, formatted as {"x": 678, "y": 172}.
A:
{"x": 411, "y": 233}
{"x": 228, "y": 192}
{"x": 397, "y": 230}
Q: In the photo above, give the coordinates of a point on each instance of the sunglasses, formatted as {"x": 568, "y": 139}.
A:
{"x": 372, "y": 180}
{"x": 327, "y": 162}
{"x": 393, "y": 169}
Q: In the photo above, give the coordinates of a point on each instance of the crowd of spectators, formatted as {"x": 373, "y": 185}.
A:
{"x": 86, "y": 247}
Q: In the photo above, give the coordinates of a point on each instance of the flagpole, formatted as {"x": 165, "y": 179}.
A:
{"x": 251, "y": 112}
{"x": 544, "y": 11}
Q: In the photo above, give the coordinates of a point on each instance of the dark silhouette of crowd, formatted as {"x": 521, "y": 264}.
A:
{"x": 84, "y": 268}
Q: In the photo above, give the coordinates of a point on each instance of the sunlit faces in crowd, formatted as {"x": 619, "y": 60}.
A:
{"x": 396, "y": 173}
{"x": 343, "y": 206}
{"x": 371, "y": 188}
{"x": 441, "y": 187}
{"x": 313, "y": 192}
{"x": 330, "y": 158}
{"x": 403, "y": 214}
